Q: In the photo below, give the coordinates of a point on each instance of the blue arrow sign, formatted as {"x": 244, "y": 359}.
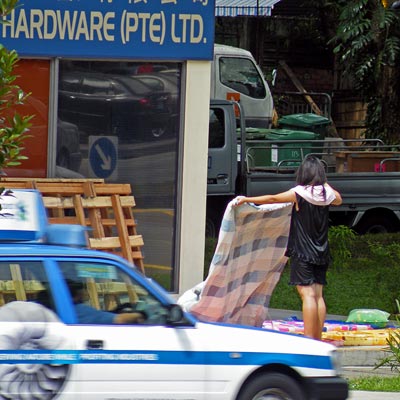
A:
{"x": 103, "y": 156}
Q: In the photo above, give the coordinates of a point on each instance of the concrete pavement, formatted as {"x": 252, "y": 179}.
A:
{"x": 361, "y": 395}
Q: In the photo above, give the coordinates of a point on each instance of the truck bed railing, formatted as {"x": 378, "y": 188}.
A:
{"x": 338, "y": 155}
{"x": 295, "y": 103}
{"x": 385, "y": 161}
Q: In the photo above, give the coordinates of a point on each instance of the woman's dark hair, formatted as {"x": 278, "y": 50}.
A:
{"x": 311, "y": 173}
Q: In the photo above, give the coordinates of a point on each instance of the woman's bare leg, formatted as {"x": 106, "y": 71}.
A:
{"x": 314, "y": 309}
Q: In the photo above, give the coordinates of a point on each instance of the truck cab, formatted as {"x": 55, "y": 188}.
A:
{"x": 236, "y": 76}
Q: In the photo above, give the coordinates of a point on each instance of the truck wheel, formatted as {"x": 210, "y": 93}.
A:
{"x": 377, "y": 224}
{"x": 272, "y": 386}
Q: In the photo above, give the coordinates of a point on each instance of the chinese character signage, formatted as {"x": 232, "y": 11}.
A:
{"x": 123, "y": 29}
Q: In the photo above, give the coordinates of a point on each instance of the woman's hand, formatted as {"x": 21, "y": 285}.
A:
{"x": 239, "y": 200}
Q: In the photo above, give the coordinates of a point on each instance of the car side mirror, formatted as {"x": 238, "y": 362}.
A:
{"x": 176, "y": 316}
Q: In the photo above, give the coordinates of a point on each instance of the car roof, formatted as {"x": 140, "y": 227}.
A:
{"x": 17, "y": 249}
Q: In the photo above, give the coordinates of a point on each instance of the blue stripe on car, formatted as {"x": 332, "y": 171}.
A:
{"x": 162, "y": 357}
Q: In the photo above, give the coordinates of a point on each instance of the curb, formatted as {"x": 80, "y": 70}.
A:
{"x": 360, "y": 361}
{"x": 364, "y": 356}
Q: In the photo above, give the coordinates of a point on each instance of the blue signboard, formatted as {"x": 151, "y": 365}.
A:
{"x": 149, "y": 29}
{"x": 103, "y": 155}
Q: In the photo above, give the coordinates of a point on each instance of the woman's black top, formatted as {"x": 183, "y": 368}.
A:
{"x": 308, "y": 235}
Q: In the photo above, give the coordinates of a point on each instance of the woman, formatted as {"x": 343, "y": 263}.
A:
{"x": 308, "y": 246}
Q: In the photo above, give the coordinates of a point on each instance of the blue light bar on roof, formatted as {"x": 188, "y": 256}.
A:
{"x": 67, "y": 235}
{"x": 22, "y": 215}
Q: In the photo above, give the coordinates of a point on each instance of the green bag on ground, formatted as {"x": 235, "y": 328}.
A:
{"x": 377, "y": 318}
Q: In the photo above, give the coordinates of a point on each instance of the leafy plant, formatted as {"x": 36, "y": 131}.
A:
{"x": 13, "y": 126}
{"x": 393, "y": 359}
{"x": 341, "y": 237}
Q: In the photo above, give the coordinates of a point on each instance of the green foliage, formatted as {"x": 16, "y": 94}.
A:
{"x": 13, "y": 126}
{"x": 341, "y": 238}
{"x": 6, "y": 6}
{"x": 392, "y": 360}
{"x": 375, "y": 384}
{"x": 367, "y": 43}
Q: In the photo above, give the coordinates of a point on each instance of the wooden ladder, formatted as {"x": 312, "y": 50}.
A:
{"x": 105, "y": 208}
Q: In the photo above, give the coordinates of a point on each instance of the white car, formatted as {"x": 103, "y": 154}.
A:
{"x": 54, "y": 345}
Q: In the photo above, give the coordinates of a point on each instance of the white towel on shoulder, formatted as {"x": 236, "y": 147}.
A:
{"x": 315, "y": 194}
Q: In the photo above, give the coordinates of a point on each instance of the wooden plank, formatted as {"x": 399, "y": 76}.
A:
{"x": 350, "y": 124}
{"x": 300, "y": 87}
{"x": 121, "y": 227}
{"x": 111, "y": 222}
{"x": 67, "y": 187}
{"x": 95, "y": 202}
{"x": 51, "y": 180}
{"x": 92, "y": 291}
{"x": 308, "y": 98}
{"x": 106, "y": 201}
{"x": 79, "y": 211}
{"x": 18, "y": 283}
{"x": 2, "y": 287}
{"x": 112, "y": 188}
{"x": 128, "y": 214}
{"x": 107, "y": 243}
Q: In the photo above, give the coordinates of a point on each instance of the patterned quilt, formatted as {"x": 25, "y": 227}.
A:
{"x": 247, "y": 264}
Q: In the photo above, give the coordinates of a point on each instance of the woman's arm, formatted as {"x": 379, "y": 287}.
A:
{"x": 284, "y": 197}
{"x": 338, "y": 198}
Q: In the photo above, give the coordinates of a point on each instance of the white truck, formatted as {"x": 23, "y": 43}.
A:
{"x": 236, "y": 76}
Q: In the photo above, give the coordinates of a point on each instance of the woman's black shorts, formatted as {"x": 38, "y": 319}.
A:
{"x": 305, "y": 273}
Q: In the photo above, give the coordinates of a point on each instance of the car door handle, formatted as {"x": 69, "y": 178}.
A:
{"x": 94, "y": 344}
{"x": 222, "y": 179}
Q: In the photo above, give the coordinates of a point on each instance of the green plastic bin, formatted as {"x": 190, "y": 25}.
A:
{"x": 288, "y": 154}
{"x": 258, "y": 152}
{"x": 254, "y": 133}
{"x": 306, "y": 122}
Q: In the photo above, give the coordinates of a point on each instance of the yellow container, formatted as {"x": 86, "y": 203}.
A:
{"x": 376, "y": 337}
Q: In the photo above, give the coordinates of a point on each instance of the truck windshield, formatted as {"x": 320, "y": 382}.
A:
{"x": 241, "y": 74}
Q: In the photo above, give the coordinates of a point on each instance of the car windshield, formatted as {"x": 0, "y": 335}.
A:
{"x": 241, "y": 74}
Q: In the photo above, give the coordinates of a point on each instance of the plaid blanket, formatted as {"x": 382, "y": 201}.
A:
{"x": 247, "y": 264}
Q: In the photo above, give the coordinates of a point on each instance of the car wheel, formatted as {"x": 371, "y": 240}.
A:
{"x": 29, "y": 330}
{"x": 158, "y": 132}
{"x": 272, "y": 386}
